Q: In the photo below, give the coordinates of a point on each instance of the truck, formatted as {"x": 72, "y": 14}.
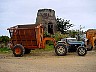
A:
{"x": 70, "y": 45}
{"x": 91, "y": 39}
{"x": 25, "y": 38}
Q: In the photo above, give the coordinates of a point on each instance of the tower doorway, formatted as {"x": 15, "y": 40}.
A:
{"x": 50, "y": 28}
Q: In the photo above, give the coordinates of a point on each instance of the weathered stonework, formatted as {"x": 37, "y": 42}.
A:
{"x": 48, "y": 19}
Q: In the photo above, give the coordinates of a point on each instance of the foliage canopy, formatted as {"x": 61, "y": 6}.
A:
{"x": 63, "y": 25}
{"x": 4, "y": 39}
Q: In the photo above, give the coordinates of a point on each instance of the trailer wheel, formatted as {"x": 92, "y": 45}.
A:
{"x": 27, "y": 51}
{"x": 81, "y": 51}
{"x": 60, "y": 50}
{"x": 18, "y": 50}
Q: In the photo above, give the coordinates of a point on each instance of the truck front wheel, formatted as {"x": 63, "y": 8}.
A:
{"x": 60, "y": 50}
{"x": 81, "y": 51}
{"x": 18, "y": 50}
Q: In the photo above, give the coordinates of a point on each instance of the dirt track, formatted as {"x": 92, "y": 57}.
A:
{"x": 48, "y": 62}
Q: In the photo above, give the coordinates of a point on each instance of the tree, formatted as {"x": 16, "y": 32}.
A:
{"x": 63, "y": 25}
{"x": 4, "y": 39}
{"x": 73, "y": 33}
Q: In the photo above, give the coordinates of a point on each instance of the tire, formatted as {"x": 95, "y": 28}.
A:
{"x": 18, "y": 50}
{"x": 27, "y": 51}
{"x": 61, "y": 50}
{"x": 81, "y": 51}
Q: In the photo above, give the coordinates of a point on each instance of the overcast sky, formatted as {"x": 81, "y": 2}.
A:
{"x": 14, "y": 12}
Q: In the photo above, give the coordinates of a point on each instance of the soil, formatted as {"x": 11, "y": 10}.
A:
{"x": 47, "y": 61}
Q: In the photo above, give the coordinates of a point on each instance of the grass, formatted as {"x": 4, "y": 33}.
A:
{"x": 4, "y": 50}
{"x": 49, "y": 47}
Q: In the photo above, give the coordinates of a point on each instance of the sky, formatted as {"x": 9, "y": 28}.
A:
{"x": 17, "y": 12}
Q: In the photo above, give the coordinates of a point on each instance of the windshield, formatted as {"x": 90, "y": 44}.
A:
{"x": 71, "y": 40}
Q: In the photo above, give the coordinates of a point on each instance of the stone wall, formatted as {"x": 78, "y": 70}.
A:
{"x": 48, "y": 19}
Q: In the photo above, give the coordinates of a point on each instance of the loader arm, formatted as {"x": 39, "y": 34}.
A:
{"x": 48, "y": 39}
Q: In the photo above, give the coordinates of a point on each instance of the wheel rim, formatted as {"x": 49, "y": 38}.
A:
{"x": 60, "y": 49}
{"x": 17, "y": 51}
{"x": 81, "y": 51}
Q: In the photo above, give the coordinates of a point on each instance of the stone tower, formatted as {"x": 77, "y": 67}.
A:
{"x": 48, "y": 19}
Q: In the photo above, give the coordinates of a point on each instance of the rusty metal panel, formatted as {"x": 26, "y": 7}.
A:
{"x": 23, "y": 34}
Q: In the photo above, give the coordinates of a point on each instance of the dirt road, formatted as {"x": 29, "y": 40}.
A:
{"x": 48, "y": 62}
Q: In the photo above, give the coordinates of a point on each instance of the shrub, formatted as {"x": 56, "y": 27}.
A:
{"x": 5, "y": 50}
{"x": 58, "y": 36}
{"x": 46, "y": 34}
{"x": 49, "y": 47}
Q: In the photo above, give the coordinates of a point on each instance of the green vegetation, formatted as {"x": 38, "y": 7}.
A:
{"x": 3, "y": 44}
{"x": 4, "y": 39}
{"x": 46, "y": 34}
{"x": 58, "y": 36}
{"x": 4, "y": 50}
{"x": 73, "y": 33}
{"x": 49, "y": 47}
{"x": 63, "y": 25}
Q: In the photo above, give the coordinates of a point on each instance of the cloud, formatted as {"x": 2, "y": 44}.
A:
{"x": 80, "y": 12}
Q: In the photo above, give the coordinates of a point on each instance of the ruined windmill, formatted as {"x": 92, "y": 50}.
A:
{"x": 48, "y": 19}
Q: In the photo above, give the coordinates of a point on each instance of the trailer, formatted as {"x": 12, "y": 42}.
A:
{"x": 25, "y": 38}
{"x": 91, "y": 36}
